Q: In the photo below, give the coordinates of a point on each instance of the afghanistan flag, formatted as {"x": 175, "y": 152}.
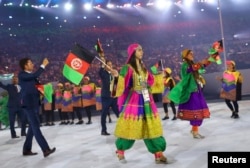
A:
{"x": 155, "y": 67}
{"x": 218, "y": 46}
{"x": 46, "y": 90}
{"x": 98, "y": 46}
{"x": 77, "y": 63}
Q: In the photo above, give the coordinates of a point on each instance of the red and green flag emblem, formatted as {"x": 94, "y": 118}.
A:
{"x": 46, "y": 90}
{"x": 77, "y": 63}
{"x": 155, "y": 67}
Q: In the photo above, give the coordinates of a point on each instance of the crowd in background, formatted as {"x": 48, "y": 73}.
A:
{"x": 159, "y": 40}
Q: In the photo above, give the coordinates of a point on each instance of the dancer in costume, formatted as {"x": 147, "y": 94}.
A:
{"x": 188, "y": 94}
{"x": 88, "y": 97}
{"x": 169, "y": 83}
{"x": 231, "y": 88}
{"x": 58, "y": 101}
{"x": 49, "y": 107}
{"x": 67, "y": 104}
{"x": 139, "y": 118}
{"x": 77, "y": 103}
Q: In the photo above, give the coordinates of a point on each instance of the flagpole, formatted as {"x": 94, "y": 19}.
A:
{"x": 162, "y": 67}
{"x": 222, "y": 36}
{"x": 101, "y": 61}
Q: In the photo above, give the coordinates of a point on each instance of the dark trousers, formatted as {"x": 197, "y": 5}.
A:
{"x": 49, "y": 115}
{"x": 88, "y": 112}
{"x": 165, "y": 107}
{"x": 65, "y": 115}
{"x": 34, "y": 130}
{"x": 108, "y": 102}
{"x": 13, "y": 112}
{"x": 234, "y": 107}
{"x": 78, "y": 111}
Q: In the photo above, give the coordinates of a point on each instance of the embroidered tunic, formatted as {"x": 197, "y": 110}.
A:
{"x": 138, "y": 119}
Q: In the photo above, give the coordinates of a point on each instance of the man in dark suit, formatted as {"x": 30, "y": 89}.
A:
{"x": 30, "y": 102}
{"x": 14, "y": 106}
{"x": 106, "y": 74}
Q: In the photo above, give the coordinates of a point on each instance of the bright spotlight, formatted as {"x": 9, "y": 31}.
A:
{"x": 163, "y": 4}
{"x": 110, "y": 5}
{"x": 87, "y": 6}
{"x": 68, "y": 6}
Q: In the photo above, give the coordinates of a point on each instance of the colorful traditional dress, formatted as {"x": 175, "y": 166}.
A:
{"x": 47, "y": 105}
{"x": 88, "y": 95}
{"x": 230, "y": 81}
{"x": 58, "y": 98}
{"x": 167, "y": 88}
{"x": 67, "y": 104}
{"x": 77, "y": 97}
{"x": 188, "y": 94}
{"x": 98, "y": 99}
{"x": 138, "y": 119}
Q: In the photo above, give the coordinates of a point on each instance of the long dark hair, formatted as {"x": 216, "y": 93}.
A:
{"x": 132, "y": 62}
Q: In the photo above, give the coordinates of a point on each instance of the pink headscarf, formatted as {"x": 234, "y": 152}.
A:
{"x": 131, "y": 50}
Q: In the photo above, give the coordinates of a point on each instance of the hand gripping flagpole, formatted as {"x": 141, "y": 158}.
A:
{"x": 222, "y": 35}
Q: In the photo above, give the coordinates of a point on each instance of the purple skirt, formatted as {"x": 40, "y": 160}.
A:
{"x": 195, "y": 109}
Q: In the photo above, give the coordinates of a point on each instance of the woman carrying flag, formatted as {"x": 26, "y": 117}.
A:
{"x": 188, "y": 94}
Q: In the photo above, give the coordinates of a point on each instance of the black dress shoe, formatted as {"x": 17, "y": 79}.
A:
{"x": 105, "y": 133}
{"x": 48, "y": 152}
{"x": 29, "y": 153}
{"x": 23, "y": 134}
{"x": 13, "y": 137}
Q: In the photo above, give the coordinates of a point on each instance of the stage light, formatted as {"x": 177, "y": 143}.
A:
{"x": 163, "y": 4}
{"x": 110, "y": 5}
{"x": 127, "y": 5}
{"x": 87, "y": 6}
{"x": 68, "y": 6}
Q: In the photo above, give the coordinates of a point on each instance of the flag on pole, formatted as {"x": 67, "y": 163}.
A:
{"x": 154, "y": 68}
{"x": 77, "y": 63}
{"x": 46, "y": 90}
{"x": 218, "y": 46}
{"x": 98, "y": 46}
{"x": 215, "y": 51}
